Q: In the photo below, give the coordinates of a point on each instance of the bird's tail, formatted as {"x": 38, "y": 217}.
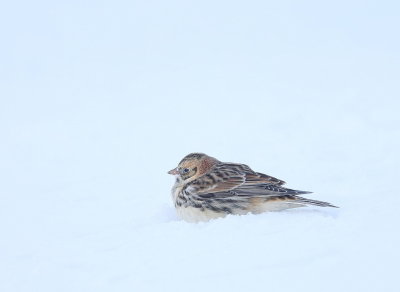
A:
{"x": 305, "y": 201}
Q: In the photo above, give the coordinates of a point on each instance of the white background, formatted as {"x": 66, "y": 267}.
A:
{"x": 99, "y": 99}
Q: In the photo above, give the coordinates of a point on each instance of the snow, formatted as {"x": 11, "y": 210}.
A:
{"x": 100, "y": 100}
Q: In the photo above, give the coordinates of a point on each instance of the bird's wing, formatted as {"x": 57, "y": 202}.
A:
{"x": 229, "y": 179}
{"x": 218, "y": 180}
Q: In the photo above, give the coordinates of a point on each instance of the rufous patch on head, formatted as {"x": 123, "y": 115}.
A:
{"x": 206, "y": 164}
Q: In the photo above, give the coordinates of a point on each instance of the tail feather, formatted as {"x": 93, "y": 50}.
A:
{"x": 305, "y": 201}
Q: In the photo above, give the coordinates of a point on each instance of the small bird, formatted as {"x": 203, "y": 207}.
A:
{"x": 207, "y": 188}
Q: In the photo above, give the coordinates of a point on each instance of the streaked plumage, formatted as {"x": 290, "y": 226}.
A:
{"x": 207, "y": 188}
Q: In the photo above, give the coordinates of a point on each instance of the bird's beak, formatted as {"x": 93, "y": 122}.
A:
{"x": 173, "y": 171}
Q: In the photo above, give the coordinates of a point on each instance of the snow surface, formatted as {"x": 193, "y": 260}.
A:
{"x": 100, "y": 99}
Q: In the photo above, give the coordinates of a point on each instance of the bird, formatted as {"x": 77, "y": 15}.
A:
{"x": 206, "y": 188}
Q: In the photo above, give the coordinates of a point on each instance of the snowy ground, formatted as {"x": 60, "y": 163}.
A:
{"x": 99, "y": 101}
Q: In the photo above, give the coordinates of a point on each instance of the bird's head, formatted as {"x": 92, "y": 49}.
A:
{"x": 193, "y": 166}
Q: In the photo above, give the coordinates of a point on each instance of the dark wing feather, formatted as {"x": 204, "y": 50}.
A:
{"x": 217, "y": 181}
{"x": 250, "y": 175}
{"x": 229, "y": 179}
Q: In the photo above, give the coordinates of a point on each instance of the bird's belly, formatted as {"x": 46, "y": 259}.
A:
{"x": 191, "y": 214}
